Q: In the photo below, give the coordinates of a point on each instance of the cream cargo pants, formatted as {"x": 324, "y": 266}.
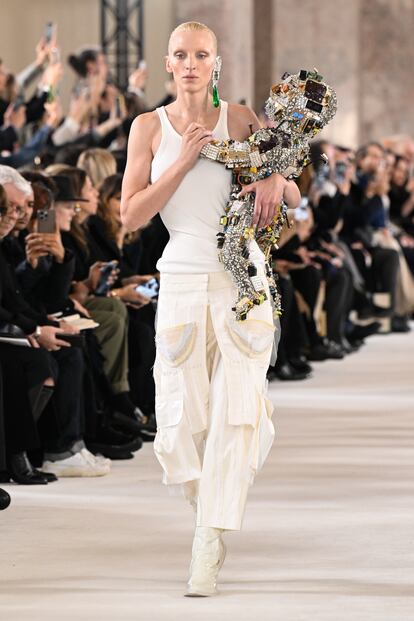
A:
{"x": 214, "y": 427}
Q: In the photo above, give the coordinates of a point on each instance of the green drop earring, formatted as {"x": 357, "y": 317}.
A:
{"x": 215, "y": 79}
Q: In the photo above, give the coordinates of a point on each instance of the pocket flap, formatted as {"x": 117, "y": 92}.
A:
{"x": 252, "y": 336}
{"x": 176, "y": 343}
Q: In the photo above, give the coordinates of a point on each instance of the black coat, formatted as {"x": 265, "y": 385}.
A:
{"x": 13, "y": 306}
{"x": 103, "y": 248}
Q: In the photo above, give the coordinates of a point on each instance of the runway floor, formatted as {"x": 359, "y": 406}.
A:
{"x": 328, "y": 533}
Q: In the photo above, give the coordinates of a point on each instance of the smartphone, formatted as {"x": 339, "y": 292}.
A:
{"x": 18, "y": 103}
{"x": 103, "y": 285}
{"x": 46, "y": 221}
{"x": 340, "y": 170}
{"x": 150, "y": 288}
{"x": 321, "y": 175}
{"x": 49, "y": 31}
{"x": 81, "y": 88}
{"x": 301, "y": 212}
{"x": 142, "y": 65}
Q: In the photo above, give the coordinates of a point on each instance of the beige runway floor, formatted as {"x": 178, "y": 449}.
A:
{"x": 328, "y": 533}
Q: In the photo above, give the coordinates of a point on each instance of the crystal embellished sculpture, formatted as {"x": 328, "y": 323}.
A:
{"x": 300, "y": 106}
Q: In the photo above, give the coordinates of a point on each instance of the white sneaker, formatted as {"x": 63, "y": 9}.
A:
{"x": 95, "y": 459}
{"x": 75, "y": 466}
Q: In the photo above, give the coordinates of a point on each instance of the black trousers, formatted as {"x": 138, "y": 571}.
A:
{"x": 67, "y": 401}
{"x": 338, "y": 301}
{"x": 293, "y": 336}
{"x": 2, "y": 434}
{"x": 381, "y": 276}
{"x": 23, "y": 368}
{"x": 141, "y": 347}
{"x": 307, "y": 281}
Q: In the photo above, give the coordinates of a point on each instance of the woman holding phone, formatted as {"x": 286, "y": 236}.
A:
{"x": 214, "y": 426}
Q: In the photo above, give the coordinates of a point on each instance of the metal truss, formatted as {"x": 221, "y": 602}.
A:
{"x": 122, "y": 25}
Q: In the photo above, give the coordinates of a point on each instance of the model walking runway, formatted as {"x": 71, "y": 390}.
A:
{"x": 327, "y": 531}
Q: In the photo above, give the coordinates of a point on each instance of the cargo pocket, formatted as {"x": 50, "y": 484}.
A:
{"x": 175, "y": 344}
{"x": 253, "y": 337}
{"x": 169, "y": 399}
{"x": 264, "y": 433}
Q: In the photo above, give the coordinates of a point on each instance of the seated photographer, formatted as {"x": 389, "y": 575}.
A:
{"x": 65, "y": 454}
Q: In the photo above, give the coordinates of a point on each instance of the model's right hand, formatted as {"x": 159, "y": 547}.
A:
{"x": 194, "y": 139}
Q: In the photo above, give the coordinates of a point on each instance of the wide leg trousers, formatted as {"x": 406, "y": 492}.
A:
{"x": 214, "y": 427}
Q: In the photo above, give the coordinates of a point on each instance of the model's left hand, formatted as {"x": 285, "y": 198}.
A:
{"x": 269, "y": 195}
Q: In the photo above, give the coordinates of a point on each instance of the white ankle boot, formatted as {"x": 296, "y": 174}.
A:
{"x": 208, "y": 556}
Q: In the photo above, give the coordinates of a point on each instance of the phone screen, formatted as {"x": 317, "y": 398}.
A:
{"x": 49, "y": 32}
{"x": 150, "y": 289}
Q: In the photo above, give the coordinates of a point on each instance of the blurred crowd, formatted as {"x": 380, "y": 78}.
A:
{"x": 77, "y": 333}
{"x": 346, "y": 269}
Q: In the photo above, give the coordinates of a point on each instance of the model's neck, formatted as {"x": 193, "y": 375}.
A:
{"x": 193, "y": 106}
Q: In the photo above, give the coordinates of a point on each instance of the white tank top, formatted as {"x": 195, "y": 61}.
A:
{"x": 192, "y": 215}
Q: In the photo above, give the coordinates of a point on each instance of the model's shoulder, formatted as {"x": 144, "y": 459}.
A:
{"x": 242, "y": 121}
{"x": 240, "y": 111}
{"x": 147, "y": 122}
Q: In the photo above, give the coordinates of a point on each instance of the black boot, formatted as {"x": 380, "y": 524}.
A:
{"x": 4, "y": 499}
{"x": 22, "y": 471}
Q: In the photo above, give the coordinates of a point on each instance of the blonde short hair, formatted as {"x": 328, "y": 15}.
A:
{"x": 193, "y": 26}
{"x": 98, "y": 165}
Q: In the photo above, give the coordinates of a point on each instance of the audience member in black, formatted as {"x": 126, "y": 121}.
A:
{"x": 29, "y": 373}
{"x": 291, "y": 363}
{"x": 109, "y": 312}
{"x": 65, "y": 452}
{"x": 108, "y": 240}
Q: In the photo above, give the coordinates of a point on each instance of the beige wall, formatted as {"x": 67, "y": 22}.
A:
{"x": 322, "y": 34}
{"x": 22, "y": 23}
{"x": 158, "y": 23}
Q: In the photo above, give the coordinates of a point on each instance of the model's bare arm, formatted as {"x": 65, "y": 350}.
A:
{"x": 140, "y": 199}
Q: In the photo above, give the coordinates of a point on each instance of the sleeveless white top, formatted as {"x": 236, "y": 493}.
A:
{"x": 192, "y": 215}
